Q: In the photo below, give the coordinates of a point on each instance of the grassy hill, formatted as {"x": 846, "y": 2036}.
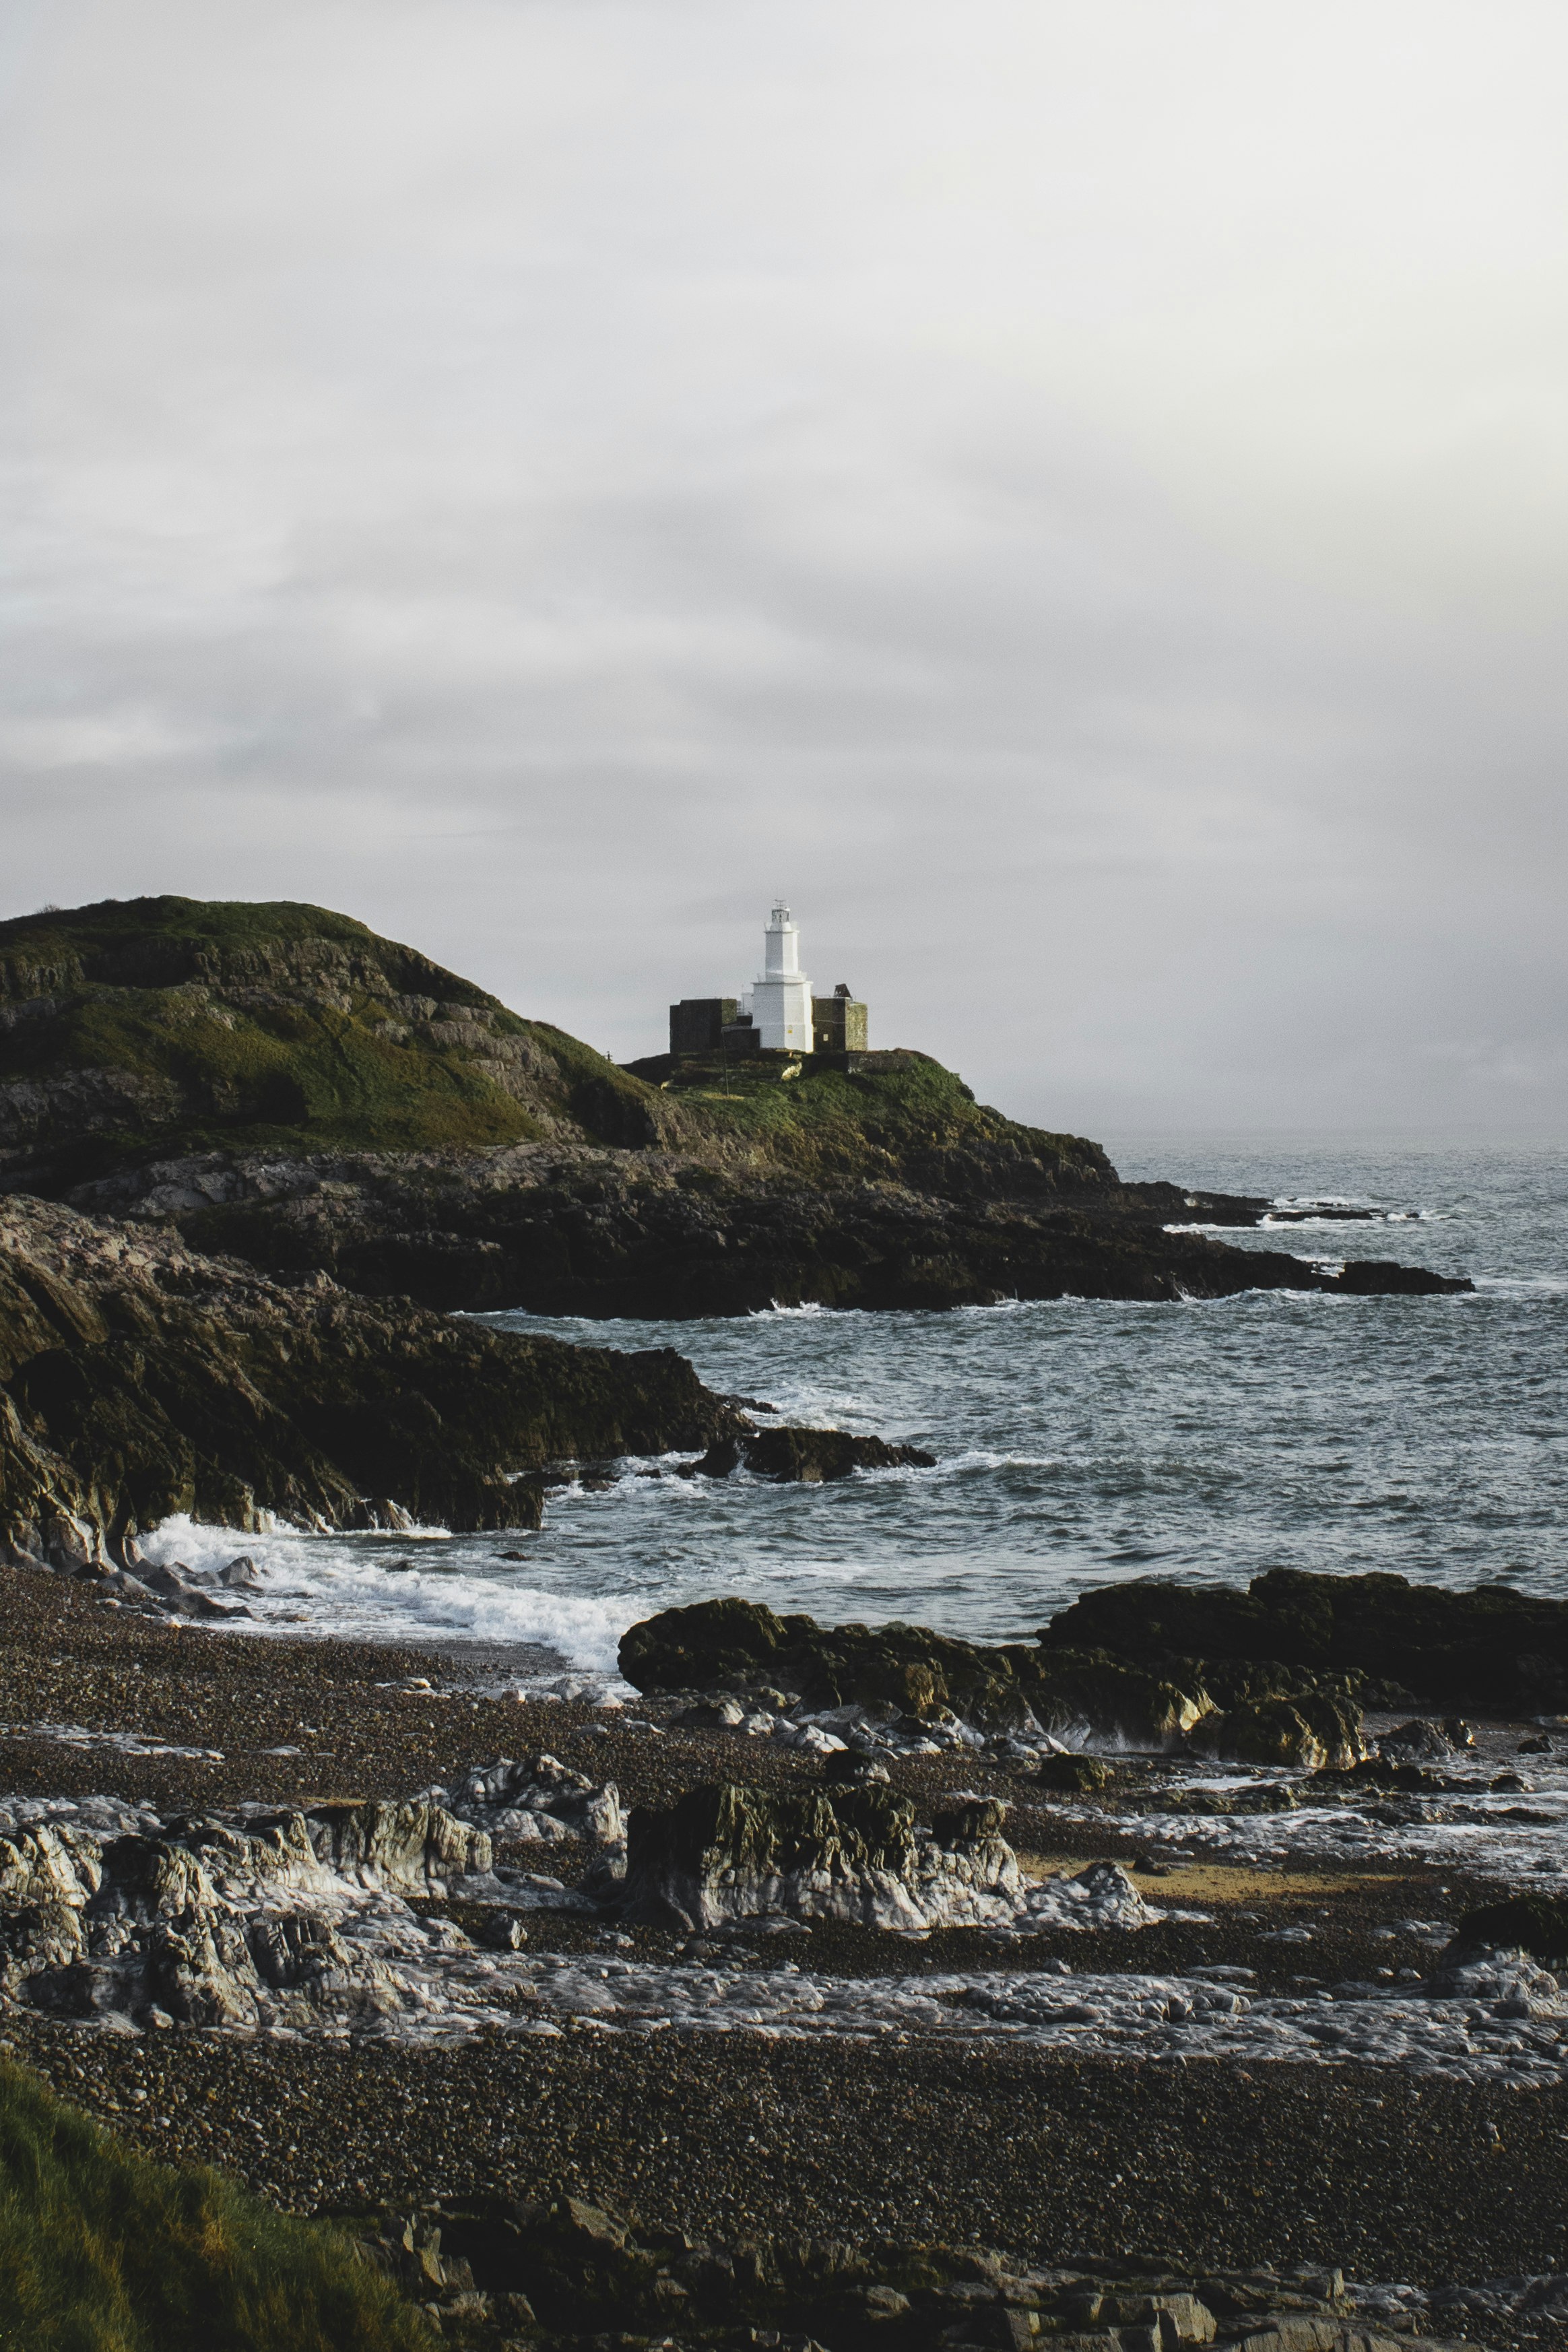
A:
{"x": 171, "y": 1025}
{"x": 164, "y": 1027}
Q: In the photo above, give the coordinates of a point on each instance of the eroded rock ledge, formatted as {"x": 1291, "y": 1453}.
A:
{"x": 1274, "y": 1673}
{"x": 1492, "y": 1647}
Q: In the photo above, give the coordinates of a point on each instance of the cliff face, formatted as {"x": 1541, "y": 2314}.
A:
{"x": 280, "y": 1084}
{"x": 138, "y": 1379}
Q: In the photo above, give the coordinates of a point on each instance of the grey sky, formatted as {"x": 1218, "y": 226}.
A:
{"x": 1075, "y": 496}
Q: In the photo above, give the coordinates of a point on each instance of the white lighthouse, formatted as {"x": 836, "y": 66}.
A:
{"x": 781, "y": 997}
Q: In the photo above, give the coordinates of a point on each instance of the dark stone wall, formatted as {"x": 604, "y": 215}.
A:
{"x": 697, "y": 1022}
{"x": 839, "y": 1024}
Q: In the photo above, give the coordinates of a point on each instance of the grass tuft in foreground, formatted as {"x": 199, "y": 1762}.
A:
{"x": 103, "y": 2251}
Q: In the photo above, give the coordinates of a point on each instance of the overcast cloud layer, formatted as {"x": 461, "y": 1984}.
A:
{"x": 1073, "y": 495}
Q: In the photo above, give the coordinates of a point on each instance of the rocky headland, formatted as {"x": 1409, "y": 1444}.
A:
{"x": 280, "y": 1085}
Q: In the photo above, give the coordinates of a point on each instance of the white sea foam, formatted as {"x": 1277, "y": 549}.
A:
{"x": 1507, "y": 1835}
{"x": 450, "y": 1592}
{"x": 1312, "y": 1224}
{"x": 1127, "y": 2015}
{"x": 125, "y": 1743}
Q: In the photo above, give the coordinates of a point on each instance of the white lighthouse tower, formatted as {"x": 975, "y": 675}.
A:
{"x": 780, "y": 998}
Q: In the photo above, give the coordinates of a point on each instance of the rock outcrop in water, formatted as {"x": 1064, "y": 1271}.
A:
{"x": 1491, "y": 1647}
{"x": 287, "y": 1087}
{"x": 805, "y": 1458}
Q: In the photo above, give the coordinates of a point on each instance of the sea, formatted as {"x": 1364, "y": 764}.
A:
{"x": 1078, "y": 1441}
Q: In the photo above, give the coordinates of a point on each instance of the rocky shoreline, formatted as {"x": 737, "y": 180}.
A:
{"x": 456, "y": 2016}
{"x": 670, "y": 1234}
{"x": 139, "y": 1379}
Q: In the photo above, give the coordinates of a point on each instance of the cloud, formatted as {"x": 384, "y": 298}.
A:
{"x": 1075, "y": 496}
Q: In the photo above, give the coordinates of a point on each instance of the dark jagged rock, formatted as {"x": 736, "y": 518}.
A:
{"x": 178, "y": 1591}
{"x": 1088, "y": 1699}
{"x": 1491, "y": 1647}
{"x": 806, "y": 1456}
{"x": 1536, "y": 1924}
{"x": 1313, "y": 1731}
{"x": 1384, "y": 1277}
{"x": 1407, "y": 1742}
{"x": 725, "y": 1852}
{"x": 138, "y": 1379}
{"x": 1273, "y": 1797}
{"x": 689, "y": 1228}
{"x": 1073, "y": 1775}
{"x": 813, "y": 1456}
{"x": 1085, "y": 1699}
{"x": 1381, "y": 1773}
{"x": 287, "y": 1087}
{"x": 568, "y": 2272}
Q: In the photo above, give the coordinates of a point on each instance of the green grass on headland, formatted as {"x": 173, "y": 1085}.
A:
{"x": 102, "y": 2251}
{"x": 173, "y": 1025}
{"x": 890, "y": 1115}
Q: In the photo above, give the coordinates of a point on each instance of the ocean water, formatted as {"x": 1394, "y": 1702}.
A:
{"x": 1076, "y": 1440}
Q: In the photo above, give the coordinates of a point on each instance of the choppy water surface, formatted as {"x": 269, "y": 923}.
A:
{"x": 1077, "y": 1440}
